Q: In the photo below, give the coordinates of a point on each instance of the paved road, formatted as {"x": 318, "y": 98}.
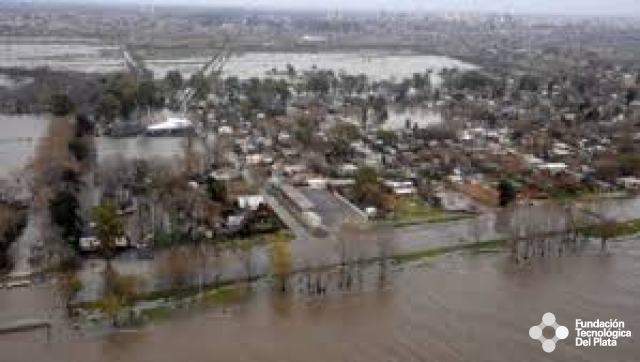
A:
{"x": 333, "y": 211}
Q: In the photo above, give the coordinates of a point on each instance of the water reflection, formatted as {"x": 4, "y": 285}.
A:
{"x": 140, "y": 147}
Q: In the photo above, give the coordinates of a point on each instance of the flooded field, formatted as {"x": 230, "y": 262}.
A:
{"x": 374, "y": 65}
{"x": 459, "y": 308}
{"x": 20, "y": 135}
{"x": 96, "y": 57}
{"x": 18, "y": 139}
{"x": 140, "y": 147}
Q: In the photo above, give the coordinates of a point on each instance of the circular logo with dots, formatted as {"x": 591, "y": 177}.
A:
{"x": 548, "y": 320}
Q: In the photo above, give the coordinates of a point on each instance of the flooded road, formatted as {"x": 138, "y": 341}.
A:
{"x": 460, "y": 308}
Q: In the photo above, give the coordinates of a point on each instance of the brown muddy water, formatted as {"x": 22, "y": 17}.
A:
{"x": 457, "y": 308}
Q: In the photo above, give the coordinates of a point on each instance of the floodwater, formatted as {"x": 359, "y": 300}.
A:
{"x": 375, "y": 65}
{"x": 20, "y": 135}
{"x": 140, "y": 147}
{"x": 92, "y": 56}
{"x": 18, "y": 139}
{"x": 460, "y": 308}
{"x": 57, "y": 54}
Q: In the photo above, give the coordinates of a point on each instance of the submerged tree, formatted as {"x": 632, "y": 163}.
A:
{"x": 280, "y": 254}
{"x": 61, "y": 105}
{"x": 108, "y": 227}
{"x": 109, "y": 108}
{"x": 508, "y": 192}
{"x": 64, "y": 209}
{"x": 120, "y": 292}
{"x": 70, "y": 285}
{"x": 176, "y": 268}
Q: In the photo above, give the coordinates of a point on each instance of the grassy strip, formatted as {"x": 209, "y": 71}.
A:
{"x": 433, "y": 219}
{"x": 433, "y": 252}
{"x": 587, "y": 195}
{"x": 225, "y": 295}
{"x": 220, "y": 296}
{"x": 282, "y": 235}
{"x": 223, "y": 292}
{"x": 613, "y": 230}
{"x": 156, "y": 314}
{"x": 412, "y": 210}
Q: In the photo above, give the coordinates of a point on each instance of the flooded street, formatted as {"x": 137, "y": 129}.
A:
{"x": 460, "y": 308}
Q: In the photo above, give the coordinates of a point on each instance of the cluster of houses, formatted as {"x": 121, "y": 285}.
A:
{"x": 544, "y": 136}
{"x": 552, "y": 138}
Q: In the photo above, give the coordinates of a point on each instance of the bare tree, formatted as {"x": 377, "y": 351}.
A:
{"x": 244, "y": 249}
{"x": 70, "y": 285}
{"x": 352, "y": 240}
{"x": 176, "y": 268}
{"x": 119, "y": 293}
{"x": 192, "y": 158}
{"x": 384, "y": 237}
{"x": 280, "y": 254}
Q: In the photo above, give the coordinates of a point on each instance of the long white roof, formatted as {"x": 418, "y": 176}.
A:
{"x": 170, "y": 123}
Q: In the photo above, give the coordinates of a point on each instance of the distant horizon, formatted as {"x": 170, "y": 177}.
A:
{"x": 577, "y": 8}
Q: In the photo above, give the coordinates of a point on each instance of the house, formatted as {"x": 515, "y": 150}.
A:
{"x": 172, "y": 126}
{"x": 401, "y": 188}
{"x": 225, "y": 130}
{"x": 258, "y": 159}
{"x": 553, "y": 168}
{"x": 347, "y": 169}
{"x": 226, "y": 175}
{"x": 90, "y": 243}
{"x": 317, "y": 183}
{"x": 251, "y": 202}
{"x": 291, "y": 170}
{"x": 235, "y": 221}
{"x": 629, "y": 183}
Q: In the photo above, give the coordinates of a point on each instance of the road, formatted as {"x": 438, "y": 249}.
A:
{"x": 333, "y": 211}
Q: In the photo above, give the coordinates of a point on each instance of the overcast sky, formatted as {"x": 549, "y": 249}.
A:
{"x": 592, "y": 7}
